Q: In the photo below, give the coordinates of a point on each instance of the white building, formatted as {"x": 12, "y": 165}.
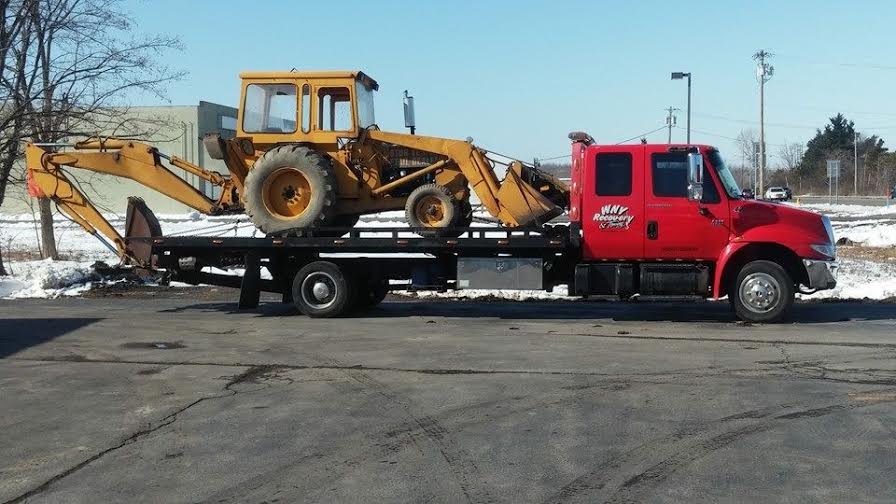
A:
{"x": 174, "y": 130}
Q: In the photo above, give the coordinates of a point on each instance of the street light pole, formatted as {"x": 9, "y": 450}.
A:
{"x": 682, "y": 75}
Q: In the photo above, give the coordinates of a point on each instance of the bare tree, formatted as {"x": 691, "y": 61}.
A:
{"x": 746, "y": 145}
{"x": 74, "y": 63}
{"x": 790, "y": 154}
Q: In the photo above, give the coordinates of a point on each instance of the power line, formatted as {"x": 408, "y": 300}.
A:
{"x": 709, "y": 133}
{"x": 553, "y": 158}
{"x": 804, "y": 61}
{"x": 642, "y": 135}
{"x": 747, "y": 121}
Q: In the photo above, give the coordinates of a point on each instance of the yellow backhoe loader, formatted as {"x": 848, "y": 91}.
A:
{"x": 308, "y": 156}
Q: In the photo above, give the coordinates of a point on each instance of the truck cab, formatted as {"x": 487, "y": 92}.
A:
{"x": 670, "y": 220}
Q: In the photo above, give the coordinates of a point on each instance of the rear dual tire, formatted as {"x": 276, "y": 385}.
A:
{"x": 323, "y": 289}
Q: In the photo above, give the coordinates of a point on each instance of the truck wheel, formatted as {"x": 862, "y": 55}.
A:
{"x": 763, "y": 292}
{"x": 322, "y": 290}
{"x": 372, "y": 293}
{"x": 433, "y": 207}
{"x": 290, "y": 187}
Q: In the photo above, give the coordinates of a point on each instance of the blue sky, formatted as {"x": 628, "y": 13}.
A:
{"x": 517, "y": 76}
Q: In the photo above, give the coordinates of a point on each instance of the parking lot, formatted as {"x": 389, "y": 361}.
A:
{"x": 176, "y": 397}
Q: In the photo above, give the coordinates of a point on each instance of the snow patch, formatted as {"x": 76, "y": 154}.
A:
{"x": 559, "y": 292}
{"x": 860, "y": 279}
{"x": 871, "y": 233}
{"x": 835, "y": 210}
{"x": 47, "y": 279}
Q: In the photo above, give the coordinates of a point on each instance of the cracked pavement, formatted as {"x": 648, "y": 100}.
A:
{"x": 159, "y": 398}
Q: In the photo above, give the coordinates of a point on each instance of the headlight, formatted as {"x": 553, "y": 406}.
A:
{"x": 826, "y": 249}
{"x": 828, "y": 228}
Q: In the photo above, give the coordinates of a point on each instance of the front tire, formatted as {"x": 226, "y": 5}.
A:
{"x": 763, "y": 292}
{"x": 432, "y": 208}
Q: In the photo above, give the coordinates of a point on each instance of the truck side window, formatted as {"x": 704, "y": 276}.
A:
{"x": 670, "y": 177}
{"x": 614, "y": 174}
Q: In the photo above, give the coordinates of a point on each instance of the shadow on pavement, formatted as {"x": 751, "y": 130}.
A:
{"x": 17, "y": 334}
{"x": 697, "y": 311}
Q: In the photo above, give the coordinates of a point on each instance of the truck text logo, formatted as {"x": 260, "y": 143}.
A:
{"x": 614, "y": 217}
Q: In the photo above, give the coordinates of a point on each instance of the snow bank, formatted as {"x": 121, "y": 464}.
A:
{"x": 47, "y": 279}
{"x": 835, "y": 210}
{"x": 871, "y": 233}
{"x": 860, "y": 279}
{"x": 857, "y": 278}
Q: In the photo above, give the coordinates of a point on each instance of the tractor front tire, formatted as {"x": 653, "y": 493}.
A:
{"x": 433, "y": 209}
{"x": 290, "y": 187}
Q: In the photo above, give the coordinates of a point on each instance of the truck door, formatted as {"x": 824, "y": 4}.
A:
{"x": 678, "y": 229}
{"x": 613, "y": 203}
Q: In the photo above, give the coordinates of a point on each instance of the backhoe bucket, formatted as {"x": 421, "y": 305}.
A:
{"x": 140, "y": 227}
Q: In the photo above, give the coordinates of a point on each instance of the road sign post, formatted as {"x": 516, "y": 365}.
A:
{"x": 833, "y": 166}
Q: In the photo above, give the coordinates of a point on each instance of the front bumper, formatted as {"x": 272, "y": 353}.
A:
{"x": 822, "y": 274}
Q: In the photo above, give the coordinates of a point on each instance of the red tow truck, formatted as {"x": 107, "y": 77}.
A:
{"x": 647, "y": 220}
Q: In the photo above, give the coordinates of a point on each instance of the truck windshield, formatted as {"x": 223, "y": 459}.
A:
{"x": 365, "y": 105}
{"x": 725, "y": 175}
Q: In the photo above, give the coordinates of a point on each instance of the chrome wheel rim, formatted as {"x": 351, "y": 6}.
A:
{"x": 319, "y": 290}
{"x": 760, "y": 292}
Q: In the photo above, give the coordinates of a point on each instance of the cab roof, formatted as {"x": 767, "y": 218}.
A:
{"x": 312, "y": 74}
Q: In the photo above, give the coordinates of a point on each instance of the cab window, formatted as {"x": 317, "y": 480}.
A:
{"x": 669, "y": 171}
{"x": 270, "y": 108}
{"x": 614, "y": 174}
{"x": 334, "y": 109}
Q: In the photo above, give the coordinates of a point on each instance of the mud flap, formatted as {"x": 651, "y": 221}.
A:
{"x": 140, "y": 227}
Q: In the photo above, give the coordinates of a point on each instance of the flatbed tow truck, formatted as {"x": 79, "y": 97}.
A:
{"x": 652, "y": 220}
{"x": 308, "y": 160}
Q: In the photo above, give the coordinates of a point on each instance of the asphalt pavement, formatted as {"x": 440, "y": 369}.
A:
{"x": 164, "y": 397}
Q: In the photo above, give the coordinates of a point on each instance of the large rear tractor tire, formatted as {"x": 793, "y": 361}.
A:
{"x": 290, "y": 187}
{"x": 433, "y": 208}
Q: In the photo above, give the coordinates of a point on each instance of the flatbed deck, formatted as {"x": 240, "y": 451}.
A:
{"x": 474, "y": 242}
{"x": 388, "y": 252}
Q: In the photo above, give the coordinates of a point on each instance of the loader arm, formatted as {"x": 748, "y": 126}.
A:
{"x": 513, "y": 200}
{"x": 133, "y": 160}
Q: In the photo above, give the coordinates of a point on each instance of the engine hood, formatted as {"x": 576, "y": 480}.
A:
{"x": 774, "y": 222}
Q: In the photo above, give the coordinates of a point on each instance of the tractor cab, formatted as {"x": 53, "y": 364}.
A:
{"x": 311, "y": 107}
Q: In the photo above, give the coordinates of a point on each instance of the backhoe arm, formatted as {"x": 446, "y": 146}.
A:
{"x": 133, "y": 160}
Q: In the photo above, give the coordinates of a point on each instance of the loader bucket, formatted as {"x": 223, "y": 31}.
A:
{"x": 521, "y": 204}
{"x": 140, "y": 227}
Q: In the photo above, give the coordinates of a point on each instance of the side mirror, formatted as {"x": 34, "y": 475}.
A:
{"x": 408, "y": 102}
{"x": 695, "y": 176}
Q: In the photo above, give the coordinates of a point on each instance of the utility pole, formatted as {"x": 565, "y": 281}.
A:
{"x": 671, "y": 120}
{"x": 855, "y": 161}
{"x": 764, "y": 72}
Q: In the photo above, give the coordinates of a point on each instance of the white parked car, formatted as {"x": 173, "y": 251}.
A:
{"x": 776, "y": 193}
